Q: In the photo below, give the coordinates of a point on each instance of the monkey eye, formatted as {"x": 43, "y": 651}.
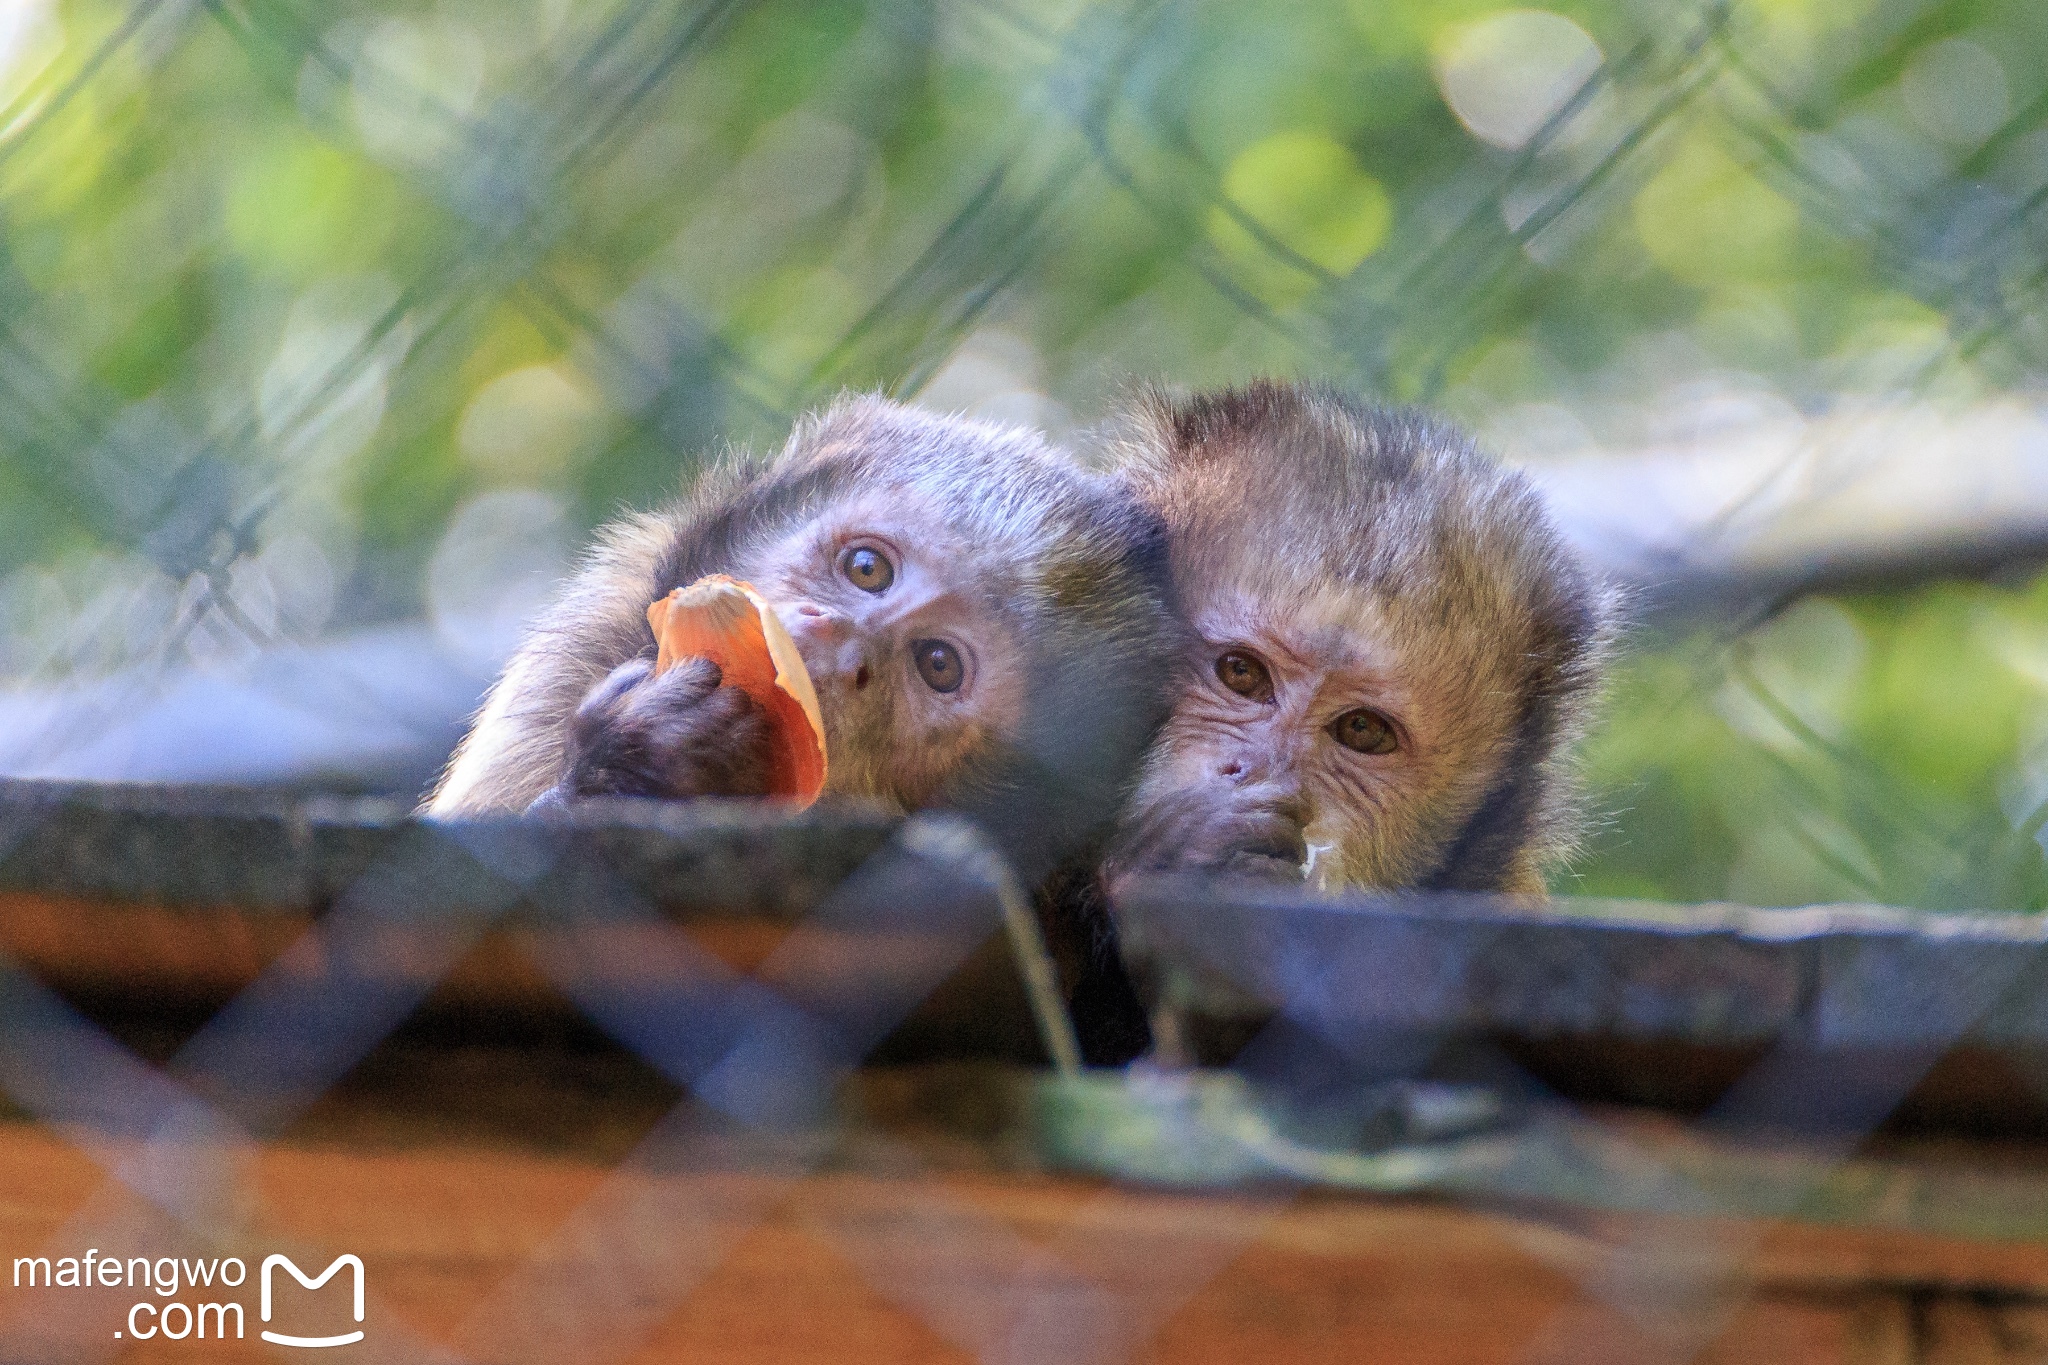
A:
{"x": 868, "y": 569}
{"x": 938, "y": 663}
{"x": 1366, "y": 731}
{"x": 1244, "y": 675}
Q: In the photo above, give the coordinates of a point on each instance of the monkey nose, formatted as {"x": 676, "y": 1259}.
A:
{"x": 816, "y": 627}
{"x": 1272, "y": 778}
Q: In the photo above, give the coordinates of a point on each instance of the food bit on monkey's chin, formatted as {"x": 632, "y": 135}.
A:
{"x": 728, "y": 622}
{"x": 1321, "y": 870}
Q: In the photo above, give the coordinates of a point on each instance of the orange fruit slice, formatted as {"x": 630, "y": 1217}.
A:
{"x": 730, "y": 623}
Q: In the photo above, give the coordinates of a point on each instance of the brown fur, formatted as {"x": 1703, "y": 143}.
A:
{"x": 1288, "y": 500}
{"x": 1319, "y": 528}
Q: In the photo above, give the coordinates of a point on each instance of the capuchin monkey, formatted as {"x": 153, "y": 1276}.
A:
{"x": 1390, "y": 650}
{"x": 984, "y": 623}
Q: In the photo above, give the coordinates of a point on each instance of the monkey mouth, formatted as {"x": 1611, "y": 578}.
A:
{"x": 1266, "y": 862}
{"x": 1226, "y": 843}
{"x": 1274, "y": 851}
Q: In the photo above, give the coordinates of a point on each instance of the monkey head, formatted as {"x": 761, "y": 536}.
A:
{"x": 984, "y": 622}
{"x": 1389, "y": 647}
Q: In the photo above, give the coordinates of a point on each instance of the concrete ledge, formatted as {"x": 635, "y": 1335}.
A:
{"x": 201, "y": 848}
{"x": 1842, "y": 976}
{"x": 1830, "y": 977}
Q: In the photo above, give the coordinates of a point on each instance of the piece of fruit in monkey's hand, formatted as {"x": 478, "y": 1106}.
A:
{"x": 726, "y": 621}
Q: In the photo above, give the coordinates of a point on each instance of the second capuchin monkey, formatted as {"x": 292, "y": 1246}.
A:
{"x": 983, "y": 622}
{"x": 1390, "y": 650}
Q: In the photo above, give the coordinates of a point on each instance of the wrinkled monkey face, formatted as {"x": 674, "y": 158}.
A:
{"x": 916, "y": 668}
{"x": 1304, "y": 741}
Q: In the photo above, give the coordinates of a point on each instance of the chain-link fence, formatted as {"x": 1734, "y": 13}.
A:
{"x": 743, "y": 964}
{"x": 331, "y": 330}
{"x": 328, "y": 331}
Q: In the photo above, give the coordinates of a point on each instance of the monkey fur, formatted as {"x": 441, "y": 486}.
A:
{"x": 1008, "y": 668}
{"x": 1341, "y": 566}
{"x": 1385, "y": 565}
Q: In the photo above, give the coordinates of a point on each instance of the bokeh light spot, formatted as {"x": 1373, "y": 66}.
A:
{"x": 414, "y": 83}
{"x": 528, "y": 424}
{"x": 1708, "y": 220}
{"x": 1307, "y": 192}
{"x": 1956, "y": 90}
{"x": 1508, "y": 74}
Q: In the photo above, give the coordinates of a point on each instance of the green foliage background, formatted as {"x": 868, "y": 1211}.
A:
{"x": 285, "y": 286}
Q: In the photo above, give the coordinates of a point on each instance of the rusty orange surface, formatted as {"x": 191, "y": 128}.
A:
{"x": 491, "y": 1253}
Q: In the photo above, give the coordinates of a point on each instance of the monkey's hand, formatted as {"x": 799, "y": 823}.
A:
{"x": 671, "y": 735}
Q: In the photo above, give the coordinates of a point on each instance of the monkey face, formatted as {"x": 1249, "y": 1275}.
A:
{"x": 1313, "y": 735}
{"x": 1396, "y": 647}
{"x": 918, "y": 672}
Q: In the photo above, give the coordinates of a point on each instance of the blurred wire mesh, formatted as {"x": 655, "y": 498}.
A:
{"x": 327, "y": 331}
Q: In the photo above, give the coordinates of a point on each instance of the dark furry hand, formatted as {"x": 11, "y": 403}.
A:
{"x": 674, "y": 735}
